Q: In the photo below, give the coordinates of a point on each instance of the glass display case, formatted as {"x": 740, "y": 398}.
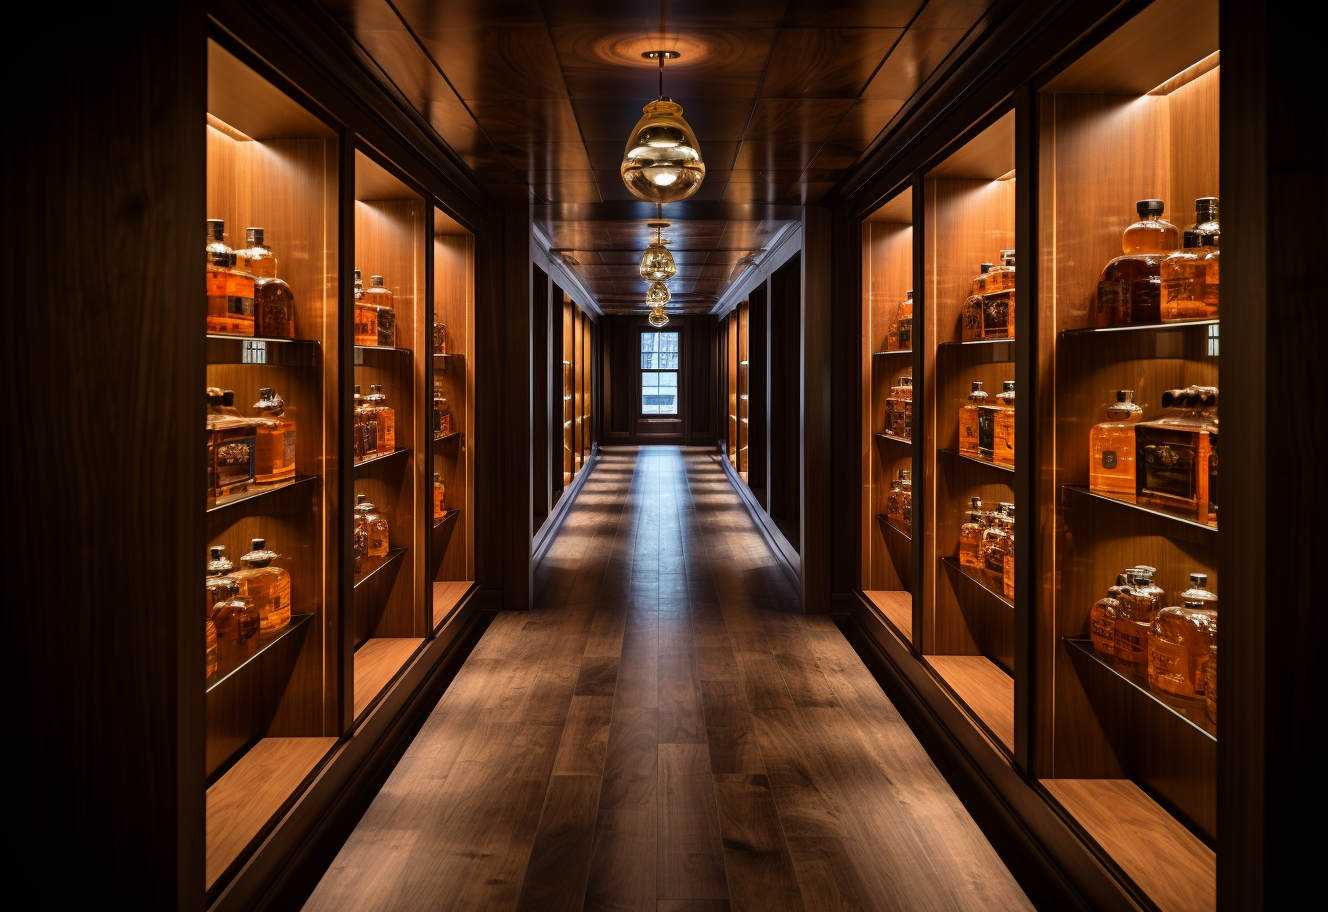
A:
{"x": 887, "y": 411}
{"x": 452, "y": 376}
{"x": 273, "y": 366}
{"x": 969, "y": 465}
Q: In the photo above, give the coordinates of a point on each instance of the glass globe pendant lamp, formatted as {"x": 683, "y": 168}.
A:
{"x": 657, "y": 295}
{"x": 662, "y": 163}
{"x": 658, "y": 317}
{"x": 657, "y": 263}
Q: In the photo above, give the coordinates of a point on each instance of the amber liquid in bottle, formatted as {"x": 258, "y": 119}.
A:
{"x": 269, "y": 587}
{"x": 236, "y": 620}
{"x": 905, "y": 330}
{"x": 970, "y": 537}
{"x": 230, "y": 286}
{"x": 968, "y": 420}
{"x": 1007, "y": 558}
{"x": 439, "y": 496}
{"x": 970, "y": 312}
{"x": 366, "y": 318}
{"x": 992, "y": 549}
{"x": 275, "y": 460}
{"x": 375, "y": 526}
{"x": 1185, "y": 273}
{"x": 1003, "y": 429}
{"x": 385, "y": 418}
{"x": 1177, "y": 456}
{"x": 1129, "y": 290}
{"x": 1139, "y": 603}
{"x": 385, "y": 319}
{"x": 1178, "y": 649}
{"x": 1102, "y": 620}
{"x": 274, "y": 302}
{"x": 232, "y": 443}
{"x": 1111, "y": 449}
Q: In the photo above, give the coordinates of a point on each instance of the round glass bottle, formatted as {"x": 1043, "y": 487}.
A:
{"x": 269, "y": 587}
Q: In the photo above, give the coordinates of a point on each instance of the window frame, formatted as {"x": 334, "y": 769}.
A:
{"x": 641, "y": 413}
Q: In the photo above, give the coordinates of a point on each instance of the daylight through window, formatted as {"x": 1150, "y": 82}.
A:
{"x": 659, "y": 373}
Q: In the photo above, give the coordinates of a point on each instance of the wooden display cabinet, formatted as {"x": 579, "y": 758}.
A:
{"x": 744, "y": 391}
{"x": 568, "y": 346}
{"x": 452, "y": 535}
{"x": 1134, "y": 117}
{"x": 731, "y": 385}
{"x": 887, "y": 279}
{"x": 273, "y": 717}
{"x": 967, "y": 622}
{"x": 390, "y": 620}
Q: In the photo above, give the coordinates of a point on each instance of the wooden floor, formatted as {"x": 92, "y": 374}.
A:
{"x": 664, "y": 732}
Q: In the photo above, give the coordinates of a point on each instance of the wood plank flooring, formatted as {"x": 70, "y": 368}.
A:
{"x": 665, "y": 732}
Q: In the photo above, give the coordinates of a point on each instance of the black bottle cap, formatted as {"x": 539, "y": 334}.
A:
{"x": 977, "y": 386}
{"x": 266, "y": 392}
{"x": 986, "y": 268}
{"x": 1147, "y": 208}
{"x": 377, "y": 281}
{"x": 1205, "y": 206}
{"x": 909, "y": 292}
{"x": 216, "y": 229}
{"x": 1192, "y": 239}
{"x": 357, "y": 275}
{"x": 219, "y": 550}
{"x": 1124, "y": 395}
{"x": 1008, "y": 386}
{"x": 260, "y": 544}
{"x": 1200, "y": 580}
{"x": 228, "y": 398}
{"x": 254, "y": 236}
{"x": 357, "y": 389}
{"x": 361, "y": 498}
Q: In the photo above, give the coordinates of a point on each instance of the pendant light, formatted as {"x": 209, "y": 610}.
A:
{"x": 662, "y": 163}
{"x": 657, "y": 295}
{"x": 658, "y": 317}
{"x": 657, "y": 263}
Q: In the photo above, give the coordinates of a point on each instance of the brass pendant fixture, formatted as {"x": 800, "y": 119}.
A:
{"x": 657, "y": 295}
{"x": 662, "y": 163}
{"x": 658, "y": 317}
{"x": 657, "y": 263}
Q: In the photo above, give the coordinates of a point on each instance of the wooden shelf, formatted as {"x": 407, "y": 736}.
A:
{"x": 447, "y": 517}
{"x": 897, "y": 608}
{"x": 448, "y": 436}
{"x": 388, "y": 349}
{"x": 895, "y": 530}
{"x": 998, "y": 354}
{"x": 893, "y": 439}
{"x": 983, "y": 688}
{"x": 976, "y": 580}
{"x": 897, "y": 351}
{"x": 1082, "y": 491}
{"x": 399, "y": 451}
{"x": 393, "y": 556}
{"x": 955, "y": 454}
{"x": 1137, "y": 688}
{"x": 1167, "y": 862}
{"x": 1137, "y": 327}
{"x": 256, "y": 493}
{"x": 447, "y": 594}
{"x": 265, "y": 642}
{"x": 454, "y": 355}
{"x": 252, "y": 793}
{"x": 260, "y": 350}
{"x": 377, "y": 662}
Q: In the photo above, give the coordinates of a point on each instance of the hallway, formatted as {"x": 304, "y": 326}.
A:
{"x": 663, "y": 732}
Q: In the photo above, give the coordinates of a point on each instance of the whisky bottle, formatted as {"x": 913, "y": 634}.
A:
{"x": 386, "y": 417}
{"x": 230, "y": 286}
{"x": 1139, "y": 600}
{"x": 981, "y": 282}
{"x": 987, "y": 412}
{"x": 268, "y": 586}
{"x": 232, "y": 442}
{"x": 210, "y": 652}
{"x": 970, "y": 536}
{"x": 1007, "y": 569}
{"x": 367, "y": 425}
{"x": 1185, "y": 272}
{"x": 892, "y": 336}
{"x": 236, "y": 620}
{"x": 1199, "y": 592}
{"x": 1102, "y": 619}
{"x": 1210, "y": 681}
{"x": 366, "y": 318}
{"x": 1178, "y": 649}
{"x": 380, "y": 299}
{"x": 439, "y": 496}
{"x": 998, "y": 301}
{"x": 275, "y": 458}
{"x": 968, "y": 420}
{"x": 971, "y": 320}
{"x": 442, "y": 414}
{"x": 1002, "y": 277}
{"x": 357, "y": 417}
{"x": 439, "y": 338}
{"x": 274, "y": 302}
{"x": 894, "y": 503}
{"x": 906, "y": 324}
{"x": 900, "y": 408}
{"x": 1129, "y": 290}
{"x": 992, "y": 549}
{"x": 218, "y": 564}
{"x": 375, "y": 525}
{"x": 906, "y": 502}
{"x": 359, "y": 540}
{"x": 1176, "y": 468}
{"x": 1111, "y": 448}
{"x": 1003, "y": 427}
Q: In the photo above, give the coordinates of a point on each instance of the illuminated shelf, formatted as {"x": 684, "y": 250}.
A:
{"x": 977, "y": 580}
{"x": 906, "y": 441}
{"x": 1134, "y": 688}
{"x": 383, "y": 348}
{"x": 1082, "y": 491}
{"x": 394, "y": 556}
{"x": 897, "y": 351}
{"x": 255, "y": 492}
{"x": 1138, "y": 327}
{"x": 399, "y": 451}
{"x": 885, "y": 521}
{"x": 447, "y": 436}
{"x": 447, "y": 517}
{"x": 955, "y": 454}
{"x": 227, "y": 349}
{"x": 265, "y": 642}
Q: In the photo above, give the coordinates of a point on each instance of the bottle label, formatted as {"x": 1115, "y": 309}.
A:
{"x": 1212, "y": 475}
{"x": 387, "y": 327}
{"x": 1102, "y": 631}
{"x": 1169, "y": 464}
{"x": 234, "y": 460}
{"x": 1146, "y": 300}
{"x": 1132, "y": 643}
{"x": 1110, "y": 303}
{"x": 996, "y": 315}
{"x": 1170, "y": 670}
{"x": 987, "y": 429}
{"x": 906, "y": 333}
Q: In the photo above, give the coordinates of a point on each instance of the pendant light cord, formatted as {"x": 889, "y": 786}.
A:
{"x": 661, "y": 44}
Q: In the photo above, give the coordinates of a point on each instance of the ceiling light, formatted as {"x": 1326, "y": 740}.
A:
{"x": 662, "y": 163}
{"x": 658, "y": 317}
{"x": 657, "y": 263}
{"x": 657, "y": 295}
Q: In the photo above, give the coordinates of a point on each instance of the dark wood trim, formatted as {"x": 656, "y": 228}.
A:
{"x": 545, "y": 535}
{"x": 516, "y": 412}
{"x": 815, "y": 441}
{"x": 785, "y": 554}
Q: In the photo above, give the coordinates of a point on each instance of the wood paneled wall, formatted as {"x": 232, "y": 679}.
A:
{"x": 698, "y": 389}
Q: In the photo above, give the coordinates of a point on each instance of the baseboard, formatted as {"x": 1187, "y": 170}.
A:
{"x": 539, "y": 545}
{"x": 1052, "y": 864}
{"x": 286, "y": 868}
{"x": 785, "y": 554}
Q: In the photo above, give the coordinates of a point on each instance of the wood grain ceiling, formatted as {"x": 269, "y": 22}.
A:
{"x": 538, "y": 99}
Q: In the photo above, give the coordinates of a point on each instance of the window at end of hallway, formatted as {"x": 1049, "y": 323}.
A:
{"x": 659, "y": 373}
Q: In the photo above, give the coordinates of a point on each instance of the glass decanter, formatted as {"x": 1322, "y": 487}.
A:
{"x": 269, "y": 587}
{"x": 1130, "y": 288}
{"x": 1111, "y": 448}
